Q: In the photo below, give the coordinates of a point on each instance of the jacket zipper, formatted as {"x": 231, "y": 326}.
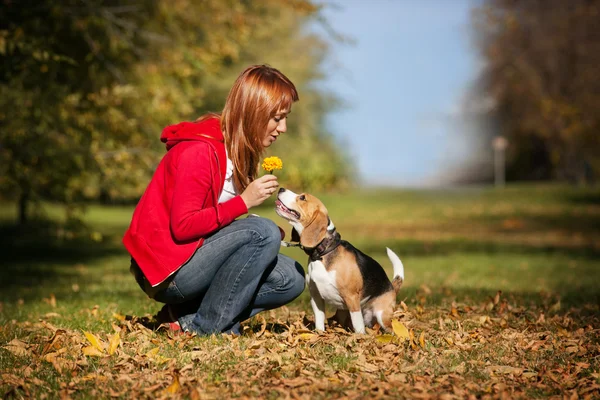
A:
{"x": 216, "y": 199}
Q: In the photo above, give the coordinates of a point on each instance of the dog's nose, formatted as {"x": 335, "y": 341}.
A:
{"x": 281, "y": 190}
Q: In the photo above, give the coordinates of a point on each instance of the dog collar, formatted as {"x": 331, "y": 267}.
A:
{"x": 327, "y": 245}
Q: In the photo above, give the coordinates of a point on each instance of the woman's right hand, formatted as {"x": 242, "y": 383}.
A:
{"x": 259, "y": 190}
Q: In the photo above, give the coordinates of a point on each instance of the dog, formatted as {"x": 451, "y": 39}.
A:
{"x": 338, "y": 273}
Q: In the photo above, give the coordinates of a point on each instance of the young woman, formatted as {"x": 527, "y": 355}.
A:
{"x": 189, "y": 250}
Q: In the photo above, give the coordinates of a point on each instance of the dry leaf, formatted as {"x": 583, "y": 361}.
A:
{"x": 18, "y": 348}
{"x": 119, "y": 317}
{"x": 97, "y": 343}
{"x": 505, "y": 369}
{"x": 387, "y": 338}
{"x": 92, "y": 351}
{"x": 153, "y": 352}
{"x": 422, "y": 339}
{"x": 400, "y": 330}
{"x": 306, "y": 336}
{"x": 175, "y": 386}
{"x": 115, "y": 341}
{"x": 51, "y": 300}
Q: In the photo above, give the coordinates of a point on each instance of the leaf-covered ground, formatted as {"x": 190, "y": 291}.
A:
{"x": 485, "y": 313}
{"x": 493, "y": 349}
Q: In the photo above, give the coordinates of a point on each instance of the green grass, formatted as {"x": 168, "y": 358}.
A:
{"x": 538, "y": 244}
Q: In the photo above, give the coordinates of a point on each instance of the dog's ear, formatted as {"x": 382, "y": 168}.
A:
{"x": 314, "y": 233}
{"x": 295, "y": 235}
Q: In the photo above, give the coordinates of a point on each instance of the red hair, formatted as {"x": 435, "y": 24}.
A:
{"x": 256, "y": 96}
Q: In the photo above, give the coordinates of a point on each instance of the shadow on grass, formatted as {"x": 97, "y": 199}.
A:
{"x": 31, "y": 259}
{"x": 583, "y": 198}
{"x": 572, "y": 223}
{"x": 583, "y": 302}
{"x": 32, "y": 256}
{"x": 410, "y": 247}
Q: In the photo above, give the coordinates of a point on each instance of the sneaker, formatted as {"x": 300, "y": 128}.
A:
{"x": 166, "y": 315}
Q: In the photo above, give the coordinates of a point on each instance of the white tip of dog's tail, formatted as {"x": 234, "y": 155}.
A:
{"x": 398, "y": 269}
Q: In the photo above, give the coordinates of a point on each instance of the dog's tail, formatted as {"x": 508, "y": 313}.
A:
{"x": 398, "y": 270}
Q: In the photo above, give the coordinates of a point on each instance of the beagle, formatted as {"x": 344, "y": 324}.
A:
{"x": 338, "y": 273}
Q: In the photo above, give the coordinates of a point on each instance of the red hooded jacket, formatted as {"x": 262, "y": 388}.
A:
{"x": 180, "y": 205}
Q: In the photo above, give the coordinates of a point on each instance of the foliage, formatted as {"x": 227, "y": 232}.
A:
{"x": 86, "y": 87}
{"x": 496, "y": 348}
{"x": 541, "y": 61}
{"x": 500, "y": 301}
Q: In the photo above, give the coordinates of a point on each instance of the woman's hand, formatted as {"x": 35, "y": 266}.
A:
{"x": 259, "y": 190}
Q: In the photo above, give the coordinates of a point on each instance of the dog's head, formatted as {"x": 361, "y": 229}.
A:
{"x": 307, "y": 215}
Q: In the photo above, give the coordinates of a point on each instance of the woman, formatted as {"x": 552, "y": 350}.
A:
{"x": 188, "y": 249}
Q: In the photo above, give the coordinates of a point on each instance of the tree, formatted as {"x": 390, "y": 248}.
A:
{"x": 87, "y": 85}
{"x": 541, "y": 60}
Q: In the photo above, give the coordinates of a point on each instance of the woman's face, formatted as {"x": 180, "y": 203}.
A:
{"x": 276, "y": 126}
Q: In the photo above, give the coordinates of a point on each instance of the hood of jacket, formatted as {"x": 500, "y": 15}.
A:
{"x": 208, "y": 129}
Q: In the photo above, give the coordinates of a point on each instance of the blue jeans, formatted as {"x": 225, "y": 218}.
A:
{"x": 237, "y": 273}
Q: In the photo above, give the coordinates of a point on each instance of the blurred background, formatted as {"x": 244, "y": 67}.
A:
{"x": 462, "y": 133}
{"x": 393, "y": 93}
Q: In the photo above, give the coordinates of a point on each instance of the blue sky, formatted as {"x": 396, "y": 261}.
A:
{"x": 403, "y": 79}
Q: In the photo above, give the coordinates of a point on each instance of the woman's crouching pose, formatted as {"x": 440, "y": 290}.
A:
{"x": 189, "y": 248}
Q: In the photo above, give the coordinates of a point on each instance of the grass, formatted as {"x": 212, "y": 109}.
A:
{"x": 537, "y": 244}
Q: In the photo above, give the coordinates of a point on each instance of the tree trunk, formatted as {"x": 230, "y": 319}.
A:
{"x": 23, "y": 207}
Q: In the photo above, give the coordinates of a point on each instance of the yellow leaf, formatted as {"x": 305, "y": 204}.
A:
{"x": 97, "y": 343}
{"x": 118, "y": 316}
{"x": 400, "y": 330}
{"x": 422, "y": 339}
{"x": 115, "y": 340}
{"x": 174, "y": 386}
{"x": 385, "y": 338}
{"x": 306, "y": 336}
{"x": 92, "y": 351}
{"x": 152, "y": 353}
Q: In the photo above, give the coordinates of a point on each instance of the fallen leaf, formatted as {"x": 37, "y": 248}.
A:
{"x": 497, "y": 297}
{"x": 306, "y": 336}
{"x": 505, "y": 369}
{"x": 175, "y": 386}
{"x": 18, "y": 348}
{"x": 400, "y": 329}
{"x": 387, "y": 338}
{"x": 52, "y": 342}
{"x": 115, "y": 341}
{"x": 119, "y": 317}
{"x": 153, "y": 352}
{"x": 92, "y": 351}
{"x": 97, "y": 343}
{"x": 422, "y": 339}
{"x": 51, "y": 300}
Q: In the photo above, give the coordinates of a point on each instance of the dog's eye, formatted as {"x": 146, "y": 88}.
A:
{"x": 302, "y": 197}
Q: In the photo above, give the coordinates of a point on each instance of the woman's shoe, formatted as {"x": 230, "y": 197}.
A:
{"x": 166, "y": 315}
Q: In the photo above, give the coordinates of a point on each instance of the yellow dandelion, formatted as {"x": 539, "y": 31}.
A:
{"x": 271, "y": 163}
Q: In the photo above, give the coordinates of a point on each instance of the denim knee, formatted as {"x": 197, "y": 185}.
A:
{"x": 298, "y": 280}
{"x": 268, "y": 231}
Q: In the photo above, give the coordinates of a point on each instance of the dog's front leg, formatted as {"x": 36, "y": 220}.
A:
{"x": 318, "y": 306}
{"x": 356, "y": 316}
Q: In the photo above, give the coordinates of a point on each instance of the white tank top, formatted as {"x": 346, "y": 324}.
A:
{"x": 228, "y": 192}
